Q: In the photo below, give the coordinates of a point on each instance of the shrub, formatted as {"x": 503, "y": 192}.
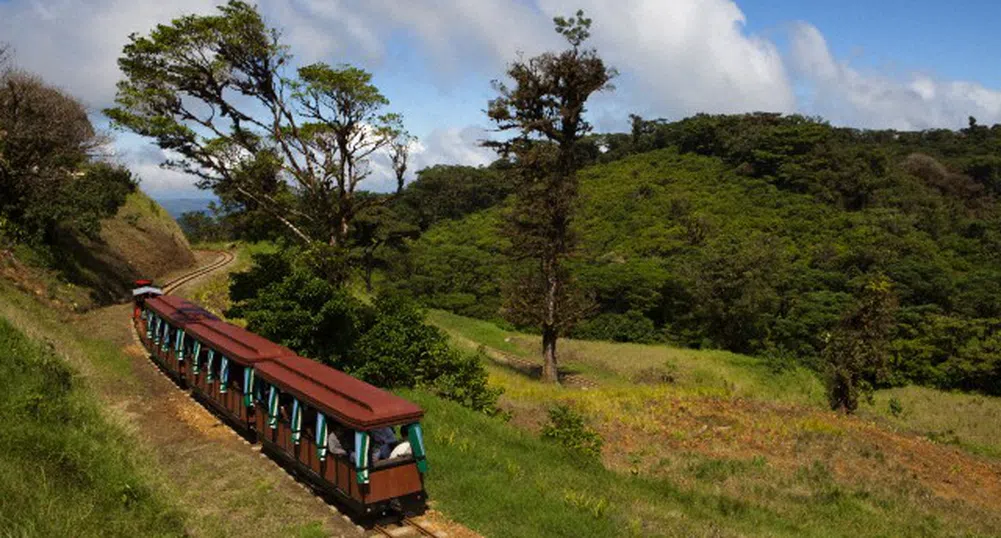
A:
{"x": 896, "y": 408}
{"x": 632, "y": 326}
{"x": 568, "y": 428}
{"x": 400, "y": 350}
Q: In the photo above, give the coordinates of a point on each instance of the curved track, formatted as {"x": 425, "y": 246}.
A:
{"x": 224, "y": 259}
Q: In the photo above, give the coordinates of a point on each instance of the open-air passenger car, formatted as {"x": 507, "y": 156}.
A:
{"x": 294, "y": 406}
{"x": 304, "y": 401}
{"x": 222, "y": 363}
{"x": 167, "y": 318}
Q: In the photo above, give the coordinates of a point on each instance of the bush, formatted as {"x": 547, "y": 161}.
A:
{"x": 632, "y": 326}
{"x": 568, "y": 428}
{"x": 400, "y": 350}
{"x": 284, "y": 300}
{"x": 896, "y": 408}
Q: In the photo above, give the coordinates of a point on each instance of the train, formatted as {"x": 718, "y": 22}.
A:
{"x": 332, "y": 430}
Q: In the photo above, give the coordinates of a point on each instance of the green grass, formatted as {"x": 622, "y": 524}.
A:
{"x": 704, "y": 372}
{"x": 970, "y": 421}
{"x": 504, "y": 481}
{"x": 65, "y": 470}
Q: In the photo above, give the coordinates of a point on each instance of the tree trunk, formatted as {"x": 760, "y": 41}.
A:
{"x": 549, "y": 371}
{"x": 550, "y": 374}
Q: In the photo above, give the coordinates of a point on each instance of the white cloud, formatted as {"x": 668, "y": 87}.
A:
{"x": 75, "y": 45}
{"x": 850, "y": 96}
{"x": 144, "y": 161}
{"x": 676, "y": 57}
{"x": 686, "y": 56}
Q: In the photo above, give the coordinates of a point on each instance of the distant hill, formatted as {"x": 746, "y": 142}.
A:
{"x": 178, "y": 206}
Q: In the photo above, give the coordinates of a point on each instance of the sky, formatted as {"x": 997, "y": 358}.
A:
{"x": 912, "y": 64}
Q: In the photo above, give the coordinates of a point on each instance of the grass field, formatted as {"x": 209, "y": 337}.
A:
{"x": 748, "y": 448}
{"x": 64, "y": 469}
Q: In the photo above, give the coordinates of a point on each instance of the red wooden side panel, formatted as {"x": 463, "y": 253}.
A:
{"x": 346, "y": 479}
{"x": 307, "y": 453}
{"x": 394, "y": 482}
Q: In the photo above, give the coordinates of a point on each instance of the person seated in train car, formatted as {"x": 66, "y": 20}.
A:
{"x": 383, "y": 441}
{"x": 337, "y": 440}
{"x": 403, "y": 449}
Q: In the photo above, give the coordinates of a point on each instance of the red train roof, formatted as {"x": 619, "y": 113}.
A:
{"x": 178, "y": 311}
{"x": 235, "y": 342}
{"x": 351, "y": 401}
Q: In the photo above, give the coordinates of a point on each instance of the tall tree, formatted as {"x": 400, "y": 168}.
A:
{"x": 45, "y": 141}
{"x": 218, "y": 91}
{"x": 856, "y": 355}
{"x": 399, "y": 155}
{"x": 544, "y": 108}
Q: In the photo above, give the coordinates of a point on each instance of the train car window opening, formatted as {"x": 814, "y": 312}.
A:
{"x": 209, "y": 364}
{"x": 223, "y": 374}
{"x": 196, "y": 350}
{"x": 248, "y": 387}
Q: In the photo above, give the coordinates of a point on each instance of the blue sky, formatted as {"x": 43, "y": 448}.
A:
{"x": 898, "y": 64}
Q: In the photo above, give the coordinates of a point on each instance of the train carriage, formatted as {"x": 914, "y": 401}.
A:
{"x": 169, "y": 318}
{"x": 223, "y": 362}
{"x": 303, "y": 400}
{"x": 291, "y": 405}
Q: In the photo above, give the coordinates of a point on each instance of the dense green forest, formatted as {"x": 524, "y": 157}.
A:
{"x": 752, "y": 233}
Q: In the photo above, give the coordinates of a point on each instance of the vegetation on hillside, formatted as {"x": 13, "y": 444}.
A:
{"x": 62, "y": 205}
{"x": 284, "y": 297}
{"x": 64, "y": 470}
{"x": 754, "y": 234}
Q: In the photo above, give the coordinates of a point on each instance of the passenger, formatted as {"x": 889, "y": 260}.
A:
{"x": 403, "y": 449}
{"x": 334, "y": 444}
{"x": 383, "y": 441}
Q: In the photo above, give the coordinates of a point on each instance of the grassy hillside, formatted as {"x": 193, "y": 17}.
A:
{"x": 64, "y": 469}
{"x": 731, "y": 444}
{"x": 141, "y": 240}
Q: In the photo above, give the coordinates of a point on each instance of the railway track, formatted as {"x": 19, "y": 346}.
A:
{"x": 224, "y": 259}
{"x": 403, "y": 528}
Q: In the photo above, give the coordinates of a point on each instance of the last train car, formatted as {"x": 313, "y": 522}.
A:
{"x": 168, "y": 318}
{"x": 307, "y": 409}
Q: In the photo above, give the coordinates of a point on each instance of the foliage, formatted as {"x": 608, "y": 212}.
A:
{"x": 400, "y": 350}
{"x": 721, "y": 247}
{"x": 632, "y": 326}
{"x": 568, "y": 428}
{"x": 282, "y": 298}
{"x": 219, "y": 91}
{"x": 545, "y": 109}
{"x": 201, "y": 227}
{"x": 64, "y": 470}
{"x": 49, "y": 182}
{"x": 444, "y": 192}
{"x": 857, "y": 353}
